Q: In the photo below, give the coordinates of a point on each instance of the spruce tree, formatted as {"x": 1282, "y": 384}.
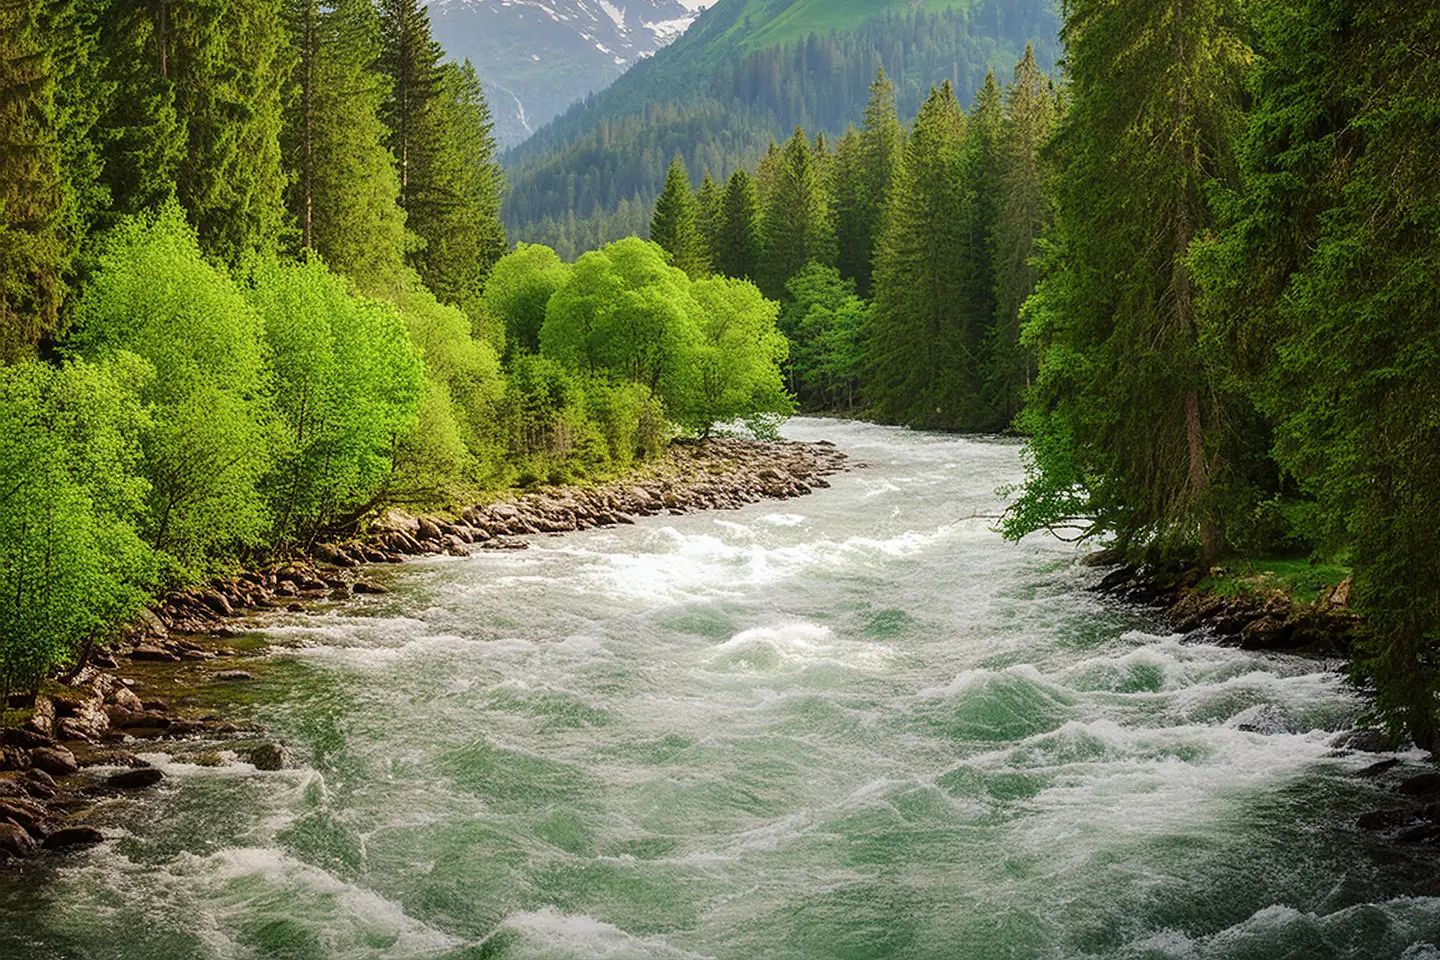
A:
{"x": 411, "y": 59}
{"x": 1022, "y": 215}
{"x": 794, "y": 219}
{"x": 710, "y": 200}
{"x": 343, "y": 195}
{"x": 1128, "y": 418}
{"x": 34, "y": 250}
{"x": 737, "y": 246}
{"x": 980, "y": 172}
{"x": 922, "y": 363}
{"x": 881, "y": 142}
{"x": 676, "y": 224}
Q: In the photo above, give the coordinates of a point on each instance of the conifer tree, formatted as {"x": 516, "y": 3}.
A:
{"x": 676, "y": 224}
{"x": 710, "y": 200}
{"x": 34, "y": 252}
{"x": 923, "y": 366}
{"x": 343, "y": 195}
{"x": 737, "y": 250}
{"x": 980, "y": 173}
{"x": 1125, "y": 408}
{"x": 879, "y": 148}
{"x": 794, "y": 219}
{"x": 1022, "y": 214}
{"x": 411, "y": 59}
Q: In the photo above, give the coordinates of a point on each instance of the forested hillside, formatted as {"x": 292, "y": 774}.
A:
{"x": 748, "y": 73}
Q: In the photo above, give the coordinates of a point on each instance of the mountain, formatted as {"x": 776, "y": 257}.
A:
{"x": 748, "y": 72}
{"x": 536, "y": 57}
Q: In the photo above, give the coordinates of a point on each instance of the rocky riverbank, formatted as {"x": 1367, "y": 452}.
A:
{"x": 83, "y": 744}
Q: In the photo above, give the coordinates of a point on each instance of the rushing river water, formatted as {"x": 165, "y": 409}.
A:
{"x": 855, "y": 725}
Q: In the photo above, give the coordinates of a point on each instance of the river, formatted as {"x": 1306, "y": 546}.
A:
{"x": 855, "y": 725}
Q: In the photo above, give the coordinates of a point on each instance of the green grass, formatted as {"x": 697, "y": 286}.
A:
{"x": 1301, "y": 579}
{"x": 774, "y": 22}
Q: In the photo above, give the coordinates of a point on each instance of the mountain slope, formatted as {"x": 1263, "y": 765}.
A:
{"x": 536, "y": 57}
{"x": 728, "y": 86}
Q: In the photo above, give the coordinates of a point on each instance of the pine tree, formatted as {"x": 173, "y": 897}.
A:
{"x": 794, "y": 220}
{"x": 880, "y": 144}
{"x": 980, "y": 171}
{"x": 411, "y": 59}
{"x": 737, "y": 251}
{"x": 710, "y": 199}
{"x": 34, "y": 252}
{"x": 1022, "y": 215}
{"x": 343, "y": 195}
{"x": 922, "y": 362}
{"x": 1124, "y": 403}
{"x": 676, "y": 224}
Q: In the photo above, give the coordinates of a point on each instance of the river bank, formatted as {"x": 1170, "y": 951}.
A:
{"x": 84, "y": 741}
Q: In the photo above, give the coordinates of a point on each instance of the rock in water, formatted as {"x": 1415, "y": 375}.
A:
{"x": 135, "y": 779}
{"x": 56, "y": 761}
{"x": 231, "y": 676}
{"x": 270, "y": 756}
{"x": 78, "y": 836}
{"x": 15, "y": 842}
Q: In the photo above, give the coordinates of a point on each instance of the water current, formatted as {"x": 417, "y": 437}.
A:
{"x": 854, "y": 725}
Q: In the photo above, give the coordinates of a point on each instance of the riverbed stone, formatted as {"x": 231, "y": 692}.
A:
{"x": 16, "y": 842}
{"x": 79, "y": 835}
{"x": 135, "y": 779}
{"x": 56, "y": 761}
{"x": 269, "y": 756}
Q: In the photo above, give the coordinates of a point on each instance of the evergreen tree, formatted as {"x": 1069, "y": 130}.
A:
{"x": 710, "y": 200}
{"x": 411, "y": 59}
{"x": 980, "y": 173}
{"x": 34, "y": 250}
{"x": 737, "y": 249}
{"x": 1022, "y": 215}
{"x": 343, "y": 195}
{"x": 676, "y": 224}
{"x": 1124, "y": 402}
{"x": 794, "y": 219}
{"x": 922, "y": 360}
{"x": 878, "y": 154}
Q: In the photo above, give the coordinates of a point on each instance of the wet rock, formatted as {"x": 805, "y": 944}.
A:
{"x": 333, "y": 555}
{"x": 12, "y": 786}
{"x": 1365, "y": 740}
{"x": 38, "y": 783}
{"x": 1425, "y": 786}
{"x": 1376, "y": 769}
{"x": 369, "y": 587}
{"x": 56, "y": 761}
{"x": 135, "y": 779}
{"x": 1385, "y": 819}
{"x": 41, "y": 721}
{"x": 1420, "y": 833}
{"x": 154, "y": 654}
{"x": 269, "y": 756}
{"x": 428, "y": 531}
{"x": 1260, "y": 718}
{"x": 16, "y": 842}
{"x": 70, "y": 837}
{"x": 27, "y": 814}
{"x": 233, "y": 676}
{"x": 1266, "y": 633}
{"x": 1115, "y": 579}
{"x": 1102, "y": 558}
{"x": 295, "y": 607}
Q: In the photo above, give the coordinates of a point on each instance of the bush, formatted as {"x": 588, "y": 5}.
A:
{"x": 518, "y": 290}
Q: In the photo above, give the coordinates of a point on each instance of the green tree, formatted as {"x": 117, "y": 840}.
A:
{"x": 1124, "y": 400}
{"x": 710, "y": 202}
{"x": 878, "y": 151}
{"x": 795, "y": 217}
{"x": 922, "y": 365}
{"x": 211, "y": 438}
{"x": 737, "y": 359}
{"x": 826, "y": 322}
{"x": 980, "y": 172}
{"x": 518, "y": 291}
{"x": 343, "y": 194}
{"x": 1023, "y": 212}
{"x": 676, "y": 224}
{"x": 737, "y": 244}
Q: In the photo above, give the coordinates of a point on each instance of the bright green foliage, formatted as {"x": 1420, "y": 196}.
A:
{"x": 922, "y": 365}
{"x": 826, "y": 323}
{"x": 343, "y": 196}
{"x": 34, "y": 251}
{"x": 626, "y": 312}
{"x": 795, "y": 222}
{"x": 456, "y": 446}
{"x": 71, "y": 566}
{"x": 676, "y": 225}
{"x": 710, "y": 204}
{"x": 737, "y": 241}
{"x": 212, "y": 435}
{"x": 518, "y": 291}
{"x": 737, "y": 360}
{"x": 1022, "y": 215}
{"x": 347, "y": 385}
{"x": 1124, "y": 400}
{"x": 877, "y": 156}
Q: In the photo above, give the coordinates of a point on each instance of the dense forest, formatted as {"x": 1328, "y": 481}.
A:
{"x": 254, "y": 286}
{"x": 717, "y": 98}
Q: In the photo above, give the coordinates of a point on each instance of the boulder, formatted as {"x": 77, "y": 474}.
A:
{"x": 42, "y": 718}
{"x": 1365, "y": 740}
{"x": 1425, "y": 786}
{"x": 12, "y": 786}
{"x": 217, "y": 603}
{"x": 370, "y": 587}
{"x": 27, "y": 814}
{"x": 269, "y": 756}
{"x": 1266, "y": 633}
{"x": 76, "y": 836}
{"x": 126, "y": 698}
{"x": 232, "y": 676}
{"x": 333, "y": 555}
{"x": 56, "y": 761}
{"x": 15, "y": 842}
{"x": 38, "y": 783}
{"x": 429, "y": 531}
{"x": 135, "y": 779}
{"x": 153, "y": 654}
